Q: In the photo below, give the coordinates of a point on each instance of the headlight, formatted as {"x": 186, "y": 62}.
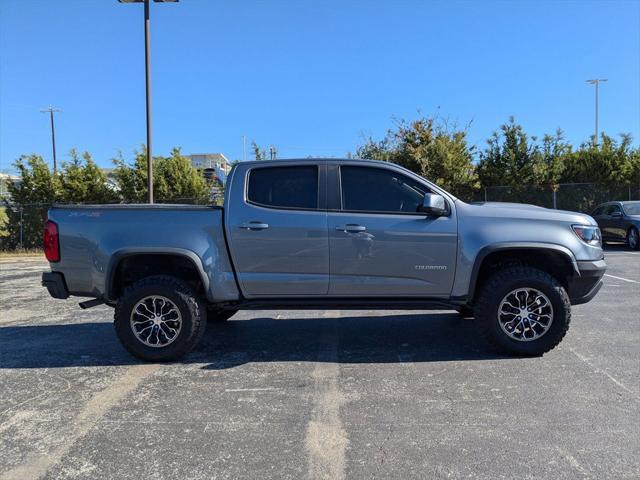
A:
{"x": 589, "y": 234}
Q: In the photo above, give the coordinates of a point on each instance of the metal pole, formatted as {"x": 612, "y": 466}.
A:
{"x": 21, "y": 227}
{"x": 555, "y": 202}
{"x": 485, "y": 194}
{"x": 596, "y": 137}
{"x": 596, "y": 82}
{"x": 53, "y": 143}
{"x": 147, "y": 59}
{"x": 244, "y": 147}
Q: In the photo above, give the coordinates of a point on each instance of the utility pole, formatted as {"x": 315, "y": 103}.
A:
{"x": 596, "y": 82}
{"x": 244, "y": 147}
{"x": 147, "y": 71}
{"x": 51, "y": 110}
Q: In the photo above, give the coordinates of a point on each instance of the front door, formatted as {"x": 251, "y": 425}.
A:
{"x": 380, "y": 245}
{"x": 278, "y": 234}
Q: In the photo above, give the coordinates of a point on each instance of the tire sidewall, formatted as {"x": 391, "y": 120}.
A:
{"x": 186, "y": 304}
{"x": 637, "y": 246}
{"x": 550, "y": 338}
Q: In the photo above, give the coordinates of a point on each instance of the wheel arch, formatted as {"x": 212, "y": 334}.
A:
{"x": 545, "y": 254}
{"x": 181, "y": 256}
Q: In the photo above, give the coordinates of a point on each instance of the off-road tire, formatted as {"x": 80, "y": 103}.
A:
{"x": 192, "y": 311}
{"x": 498, "y": 286}
{"x": 218, "y": 315}
{"x": 630, "y": 232}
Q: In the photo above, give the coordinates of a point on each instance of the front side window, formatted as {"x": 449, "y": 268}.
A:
{"x": 613, "y": 209}
{"x": 284, "y": 187}
{"x": 371, "y": 189}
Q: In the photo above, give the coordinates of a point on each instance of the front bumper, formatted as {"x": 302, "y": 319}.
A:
{"x": 57, "y": 287}
{"x": 585, "y": 285}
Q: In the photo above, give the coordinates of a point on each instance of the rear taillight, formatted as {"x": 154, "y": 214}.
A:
{"x": 51, "y": 242}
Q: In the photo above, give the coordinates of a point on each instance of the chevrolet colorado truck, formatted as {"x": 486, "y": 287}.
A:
{"x": 325, "y": 234}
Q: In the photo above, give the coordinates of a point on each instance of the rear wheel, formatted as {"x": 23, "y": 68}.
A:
{"x": 159, "y": 318}
{"x": 633, "y": 239}
{"x": 523, "y": 311}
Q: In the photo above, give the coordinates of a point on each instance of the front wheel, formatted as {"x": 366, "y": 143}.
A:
{"x": 633, "y": 239}
{"x": 159, "y": 318}
{"x": 523, "y": 311}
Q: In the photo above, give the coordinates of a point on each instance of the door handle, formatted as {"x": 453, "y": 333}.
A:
{"x": 254, "y": 226}
{"x": 351, "y": 228}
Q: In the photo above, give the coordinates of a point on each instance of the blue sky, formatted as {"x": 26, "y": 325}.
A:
{"x": 312, "y": 78}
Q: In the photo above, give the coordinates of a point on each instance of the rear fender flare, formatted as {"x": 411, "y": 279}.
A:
{"x": 119, "y": 255}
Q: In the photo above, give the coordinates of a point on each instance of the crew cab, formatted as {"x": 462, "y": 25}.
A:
{"x": 324, "y": 234}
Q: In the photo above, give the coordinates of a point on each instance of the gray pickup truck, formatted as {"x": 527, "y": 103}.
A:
{"x": 325, "y": 234}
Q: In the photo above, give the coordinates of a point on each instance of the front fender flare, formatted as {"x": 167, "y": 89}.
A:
{"x": 505, "y": 246}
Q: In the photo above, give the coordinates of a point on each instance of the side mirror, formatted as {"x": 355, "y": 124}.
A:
{"x": 433, "y": 205}
{"x": 617, "y": 214}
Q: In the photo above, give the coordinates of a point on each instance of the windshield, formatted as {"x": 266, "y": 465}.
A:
{"x": 632, "y": 208}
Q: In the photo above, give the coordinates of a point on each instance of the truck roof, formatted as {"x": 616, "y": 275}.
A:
{"x": 314, "y": 160}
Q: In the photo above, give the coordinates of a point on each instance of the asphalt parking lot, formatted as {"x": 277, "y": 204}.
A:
{"x": 315, "y": 394}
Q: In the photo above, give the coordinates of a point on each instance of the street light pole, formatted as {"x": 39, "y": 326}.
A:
{"x": 596, "y": 82}
{"x": 147, "y": 72}
{"x": 51, "y": 110}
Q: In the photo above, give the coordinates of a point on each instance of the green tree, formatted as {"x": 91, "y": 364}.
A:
{"x": 174, "y": 179}
{"x": 551, "y": 161}
{"x": 30, "y": 200}
{"x": 429, "y": 147}
{"x": 510, "y": 158}
{"x": 82, "y": 181}
{"x": 258, "y": 153}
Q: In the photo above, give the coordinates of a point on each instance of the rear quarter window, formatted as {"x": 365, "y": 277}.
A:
{"x": 293, "y": 187}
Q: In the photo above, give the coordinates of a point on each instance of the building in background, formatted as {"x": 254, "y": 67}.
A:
{"x": 212, "y": 165}
{"x": 5, "y": 180}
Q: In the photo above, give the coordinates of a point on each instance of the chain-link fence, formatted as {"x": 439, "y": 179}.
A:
{"x": 21, "y": 225}
{"x": 578, "y": 197}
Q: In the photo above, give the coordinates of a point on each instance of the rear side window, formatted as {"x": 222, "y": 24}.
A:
{"x": 284, "y": 187}
{"x": 370, "y": 189}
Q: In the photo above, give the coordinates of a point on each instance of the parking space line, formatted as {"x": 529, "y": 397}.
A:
{"x": 620, "y": 278}
{"x": 608, "y": 375}
{"x": 326, "y": 439}
{"x": 97, "y": 407}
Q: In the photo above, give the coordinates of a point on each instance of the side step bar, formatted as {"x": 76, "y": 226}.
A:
{"x": 342, "y": 304}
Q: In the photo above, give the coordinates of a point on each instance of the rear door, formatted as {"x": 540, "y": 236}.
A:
{"x": 277, "y": 231}
{"x": 379, "y": 244}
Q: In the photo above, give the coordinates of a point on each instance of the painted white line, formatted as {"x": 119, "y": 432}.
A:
{"x": 620, "y": 278}
{"x": 598, "y": 370}
{"x": 326, "y": 439}
{"x": 265, "y": 389}
{"x": 37, "y": 465}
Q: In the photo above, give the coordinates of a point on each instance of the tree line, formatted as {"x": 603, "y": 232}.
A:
{"x": 430, "y": 146}
{"x": 80, "y": 180}
{"x": 440, "y": 152}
